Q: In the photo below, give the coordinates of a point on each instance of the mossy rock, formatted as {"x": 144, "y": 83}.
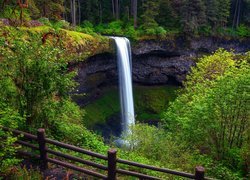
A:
{"x": 78, "y": 46}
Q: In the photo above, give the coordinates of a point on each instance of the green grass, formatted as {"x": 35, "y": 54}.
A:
{"x": 149, "y": 103}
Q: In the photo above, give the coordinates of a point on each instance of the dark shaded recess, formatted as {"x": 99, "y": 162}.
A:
{"x": 158, "y": 53}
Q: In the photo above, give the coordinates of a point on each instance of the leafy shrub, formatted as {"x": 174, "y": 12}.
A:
{"x": 113, "y": 28}
{"x": 22, "y": 173}
{"x": 45, "y": 21}
{"x": 154, "y": 31}
{"x": 62, "y": 24}
{"x": 160, "y": 31}
{"x": 8, "y": 118}
{"x": 100, "y": 28}
{"x": 87, "y": 24}
{"x": 206, "y": 30}
{"x": 9, "y": 14}
{"x": 86, "y": 30}
{"x": 155, "y": 144}
{"x": 44, "y": 83}
{"x": 130, "y": 32}
{"x": 243, "y": 31}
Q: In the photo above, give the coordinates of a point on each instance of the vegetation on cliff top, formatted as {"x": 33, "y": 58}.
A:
{"x": 78, "y": 46}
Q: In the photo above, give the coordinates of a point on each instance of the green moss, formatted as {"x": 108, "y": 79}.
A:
{"x": 77, "y": 36}
{"x": 101, "y": 109}
{"x": 149, "y": 103}
{"x": 78, "y": 46}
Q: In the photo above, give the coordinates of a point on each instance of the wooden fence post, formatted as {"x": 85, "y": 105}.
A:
{"x": 199, "y": 173}
{"x": 112, "y": 164}
{"x": 42, "y": 148}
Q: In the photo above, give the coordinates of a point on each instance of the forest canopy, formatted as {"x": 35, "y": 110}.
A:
{"x": 153, "y": 17}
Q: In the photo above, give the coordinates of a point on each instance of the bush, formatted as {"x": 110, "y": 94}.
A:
{"x": 155, "y": 144}
{"x": 62, "y": 24}
{"x": 87, "y": 24}
{"x": 154, "y": 31}
{"x": 45, "y": 21}
{"x": 22, "y": 173}
{"x": 206, "y": 30}
{"x": 243, "y": 31}
{"x": 42, "y": 86}
{"x": 160, "y": 31}
{"x": 8, "y": 118}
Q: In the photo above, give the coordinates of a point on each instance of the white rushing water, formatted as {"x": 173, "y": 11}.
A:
{"x": 125, "y": 82}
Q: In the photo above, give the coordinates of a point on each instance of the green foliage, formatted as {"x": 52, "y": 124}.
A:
{"x": 213, "y": 111}
{"x": 156, "y": 144}
{"x": 8, "y": 118}
{"x": 150, "y": 12}
{"x": 206, "y": 30}
{"x": 36, "y": 82}
{"x": 22, "y": 173}
{"x": 14, "y": 14}
{"x": 45, "y": 21}
{"x": 62, "y": 24}
{"x": 243, "y": 31}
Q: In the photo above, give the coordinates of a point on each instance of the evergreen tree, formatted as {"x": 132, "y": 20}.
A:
{"x": 151, "y": 11}
{"x": 211, "y": 12}
{"x": 223, "y": 12}
{"x": 168, "y": 15}
{"x": 51, "y": 9}
{"x": 193, "y": 15}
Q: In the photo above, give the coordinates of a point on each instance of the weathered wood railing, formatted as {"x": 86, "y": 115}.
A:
{"x": 111, "y": 169}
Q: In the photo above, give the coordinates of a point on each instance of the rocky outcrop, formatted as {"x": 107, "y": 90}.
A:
{"x": 154, "y": 62}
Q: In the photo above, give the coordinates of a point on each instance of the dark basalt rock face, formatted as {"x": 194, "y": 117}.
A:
{"x": 154, "y": 62}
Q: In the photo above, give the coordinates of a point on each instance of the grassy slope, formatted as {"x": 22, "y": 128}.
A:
{"x": 78, "y": 45}
{"x": 149, "y": 103}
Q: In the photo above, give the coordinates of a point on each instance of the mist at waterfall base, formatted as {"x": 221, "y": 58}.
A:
{"x": 124, "y": 60}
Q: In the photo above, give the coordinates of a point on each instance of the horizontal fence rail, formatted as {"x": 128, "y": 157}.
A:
{"x": 111, "y": 170}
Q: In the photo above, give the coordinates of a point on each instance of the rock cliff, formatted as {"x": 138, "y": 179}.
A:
{"x": 154, "y": 62}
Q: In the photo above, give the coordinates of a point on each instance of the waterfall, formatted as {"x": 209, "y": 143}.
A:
{"x": 124, "y": 58}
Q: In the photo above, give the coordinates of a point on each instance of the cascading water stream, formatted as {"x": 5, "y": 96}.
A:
{"x": 125, "y": 82}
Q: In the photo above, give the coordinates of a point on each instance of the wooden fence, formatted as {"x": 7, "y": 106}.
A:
{"x": 112, "y": 161}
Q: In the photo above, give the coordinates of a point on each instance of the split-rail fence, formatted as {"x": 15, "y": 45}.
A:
{"x": 111, "y": 169}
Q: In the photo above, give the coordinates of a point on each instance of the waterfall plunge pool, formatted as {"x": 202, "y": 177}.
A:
{"x": 103, "y": 111}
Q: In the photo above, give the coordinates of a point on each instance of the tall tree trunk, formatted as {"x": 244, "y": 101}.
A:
{"x": 131, "y": 7}
{"x": 79, "y": 12}
{"x": 73, "y": 12}
{"x": 100, "y": 10}
{"x": 235, "y": 13}
{"x": 44, "y": 9}
{"x": 113, "y": 8}
{"x": 239, "y": 13}
{"x": 135, "y": 13}
{"x": 117, "y": 11}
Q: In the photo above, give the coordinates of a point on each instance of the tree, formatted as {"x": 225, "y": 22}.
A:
{"x": 51, "y": 9}
{"x": 135, "y": 12}
{"x": 168, "y": 14}
{"x": 38, "y": 82}
{"x": 193, "y": 15}
{"x": 8, "y": 118}
{"x": 213, "y": 111}
{"x": 151, "y": 10}
{"x": 223, "y": 12}
{"x": 117, "y": 9}
{"x": 73, "y": 12}
{"x": 211, "y": 12}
